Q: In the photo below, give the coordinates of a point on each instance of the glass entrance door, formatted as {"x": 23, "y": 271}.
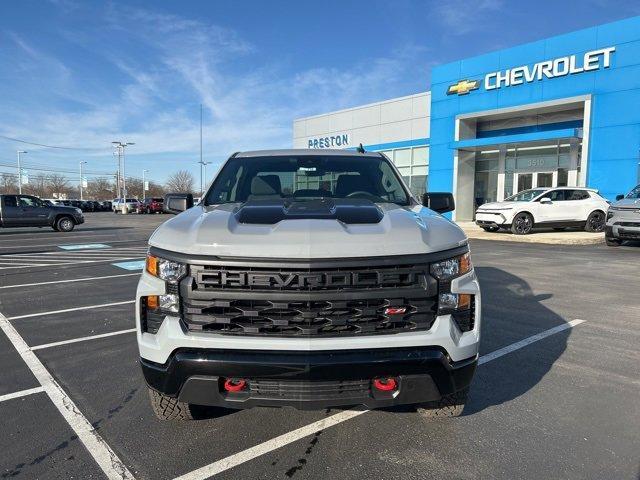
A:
{"x": 545, "y": 179}
{"x": 524, "y": 181}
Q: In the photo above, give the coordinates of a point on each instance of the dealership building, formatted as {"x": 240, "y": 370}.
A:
{"x": 564, "y": 111}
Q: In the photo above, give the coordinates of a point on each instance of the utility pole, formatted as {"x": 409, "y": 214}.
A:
{"x": 121, "y": 146}
{"x": 117, "y": 155}
{"x": 81, "y": 179}
{"x": 144, "y": 192}
{"x": 201, "y": 162}
{"x": 20, "y": 152}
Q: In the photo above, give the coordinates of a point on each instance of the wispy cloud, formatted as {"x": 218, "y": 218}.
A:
{"x": 178, "y": 63}
{"x": 466, "y": 16}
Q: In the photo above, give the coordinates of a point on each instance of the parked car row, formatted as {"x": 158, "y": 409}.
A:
{"x": 84, "y": 205}
{"x": 148, "y": 205}
{"x": 564, "y": 207}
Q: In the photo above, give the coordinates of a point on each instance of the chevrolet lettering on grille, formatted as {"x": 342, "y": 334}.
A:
{"x": 230, "y": 279}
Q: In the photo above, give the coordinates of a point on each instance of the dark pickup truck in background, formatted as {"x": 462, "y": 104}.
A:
{"x": 30, "y": 211}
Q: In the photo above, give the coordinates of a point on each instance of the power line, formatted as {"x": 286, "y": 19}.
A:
{"x": 58, "y": 147}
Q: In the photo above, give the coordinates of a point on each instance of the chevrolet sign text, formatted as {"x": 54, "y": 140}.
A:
{"x": 559, "y": 67}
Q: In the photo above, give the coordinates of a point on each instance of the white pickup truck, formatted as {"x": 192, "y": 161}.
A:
{"x": 308, "y": 279}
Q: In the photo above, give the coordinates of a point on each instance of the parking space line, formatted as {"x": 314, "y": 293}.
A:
{"x": 77, "y": 262}
{"x": 104, "y": 456}
{"x": 527, "y": 341}
{"x": 21, "y": 393}
{"x": 69, "y": 281}
{"x": 82, "y": 339}
{"x": 275, "y": 443}
{"x": 75, "y": 309}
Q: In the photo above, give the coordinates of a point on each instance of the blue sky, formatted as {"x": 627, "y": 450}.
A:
{"x": 83, "y": 73}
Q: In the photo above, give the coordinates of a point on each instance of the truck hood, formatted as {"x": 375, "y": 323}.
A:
{"x": 630, "y": 203}
{"x": 216, "y": 230}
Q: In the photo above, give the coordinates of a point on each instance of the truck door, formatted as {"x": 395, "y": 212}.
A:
{"x": 32, "y": 211}
{"x": 10, "y": 211}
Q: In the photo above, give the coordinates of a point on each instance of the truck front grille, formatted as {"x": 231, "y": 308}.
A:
{"x": 300, "y": 390}
{"x": 307, "y": 300}
{"x": 308, "y": 318}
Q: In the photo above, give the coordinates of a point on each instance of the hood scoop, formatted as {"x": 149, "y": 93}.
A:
{"x": 270, "y": 212}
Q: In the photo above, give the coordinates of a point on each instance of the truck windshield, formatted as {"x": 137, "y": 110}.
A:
{"x": 307, "y": 177}
{"x": 635, "y": 193}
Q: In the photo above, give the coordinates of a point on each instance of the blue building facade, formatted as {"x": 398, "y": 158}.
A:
{"x": 560, "y": 111}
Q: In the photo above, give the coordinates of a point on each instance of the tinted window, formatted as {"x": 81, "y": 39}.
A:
{"x": 525, "y": 195}
{"x": 29, "y": 202}
{"x": 10, "y": 201}
{"x": 554, "y": 195}
{"x": 307, "y": 177}
{"x": 576, "y": 195}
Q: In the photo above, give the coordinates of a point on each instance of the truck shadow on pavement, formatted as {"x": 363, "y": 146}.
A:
{"x": 512, "y": 312}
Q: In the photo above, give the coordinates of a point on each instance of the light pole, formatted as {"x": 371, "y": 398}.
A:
{"x": 81, "y": 179}
{"x": 144, "y": 193}
{"x": 117, "y": 155}
{"x": 203, "y": 166}
{"x": 20, "y": 152}
{"x": 121, "y": 146}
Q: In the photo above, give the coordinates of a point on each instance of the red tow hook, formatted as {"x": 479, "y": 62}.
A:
{"x": 385, "y": 384}
{"x": 234, "y": 384}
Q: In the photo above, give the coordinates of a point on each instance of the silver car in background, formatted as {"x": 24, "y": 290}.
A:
{"x": 623, "y": 219}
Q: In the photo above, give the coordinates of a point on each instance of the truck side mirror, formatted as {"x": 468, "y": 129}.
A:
{"x": 440, "y": 202}
{"x": 619, "y": 197}
{"x": 177, "y": 202}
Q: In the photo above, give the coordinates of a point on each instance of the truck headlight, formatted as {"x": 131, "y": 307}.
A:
{"x": 451, "y": 267}
{"x": 460, "y": 306}
{"x": 167, "y": 270}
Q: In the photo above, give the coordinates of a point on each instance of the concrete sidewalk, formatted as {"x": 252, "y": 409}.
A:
{"x": 566, "y": 237}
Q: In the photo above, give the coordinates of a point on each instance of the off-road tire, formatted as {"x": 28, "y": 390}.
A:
{"x": 522, "y": 224}
{"x": 596, "y": 221}
{"x": 612, "y": 242}
{"x": 448, "y": 406}
{"x": 64, "y": 224}
{"x": 168, "y": 408}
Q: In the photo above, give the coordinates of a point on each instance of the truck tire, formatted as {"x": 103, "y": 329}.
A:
{"x": 612, "y": 241}
{"x": 64, "y": 224}
{"x": 448, "y": 406}
{"x": 168, "y": 408}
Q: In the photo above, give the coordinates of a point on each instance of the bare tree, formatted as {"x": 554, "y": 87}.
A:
{"x": 134, "y": 188}
{"x": 155, "y": 190}
{"x": 38, "y": 186}
{"x": 58, "y": 184}
{"x": 181, "y": 181}
{"x": 8, "y": 183}
{"x": 100, "y": 188}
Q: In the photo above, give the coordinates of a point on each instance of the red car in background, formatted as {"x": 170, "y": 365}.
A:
{"x": 151, "y": 205}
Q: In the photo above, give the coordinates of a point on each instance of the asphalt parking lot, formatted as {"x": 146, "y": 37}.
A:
{"x": 556, "y": 394}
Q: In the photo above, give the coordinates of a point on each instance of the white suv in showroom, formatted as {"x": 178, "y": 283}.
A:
{"x": 556, "y": 208}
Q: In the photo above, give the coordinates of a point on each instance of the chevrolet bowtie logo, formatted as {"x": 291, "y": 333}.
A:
{"x": 463, "y": 87}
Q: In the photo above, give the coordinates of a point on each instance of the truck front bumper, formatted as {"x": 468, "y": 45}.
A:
{"x": 309, "y": 380}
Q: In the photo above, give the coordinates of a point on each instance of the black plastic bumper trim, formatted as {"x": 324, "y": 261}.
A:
{"x": 424, "y": 374}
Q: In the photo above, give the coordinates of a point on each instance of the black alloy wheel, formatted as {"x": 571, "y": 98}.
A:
{"x": 596, "y": 222}
{"x": 522, "y": 224}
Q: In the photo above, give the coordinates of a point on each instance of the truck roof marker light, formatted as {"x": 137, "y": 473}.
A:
{"x": 385, "y": 384}
{"x": 235, "y": 385}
